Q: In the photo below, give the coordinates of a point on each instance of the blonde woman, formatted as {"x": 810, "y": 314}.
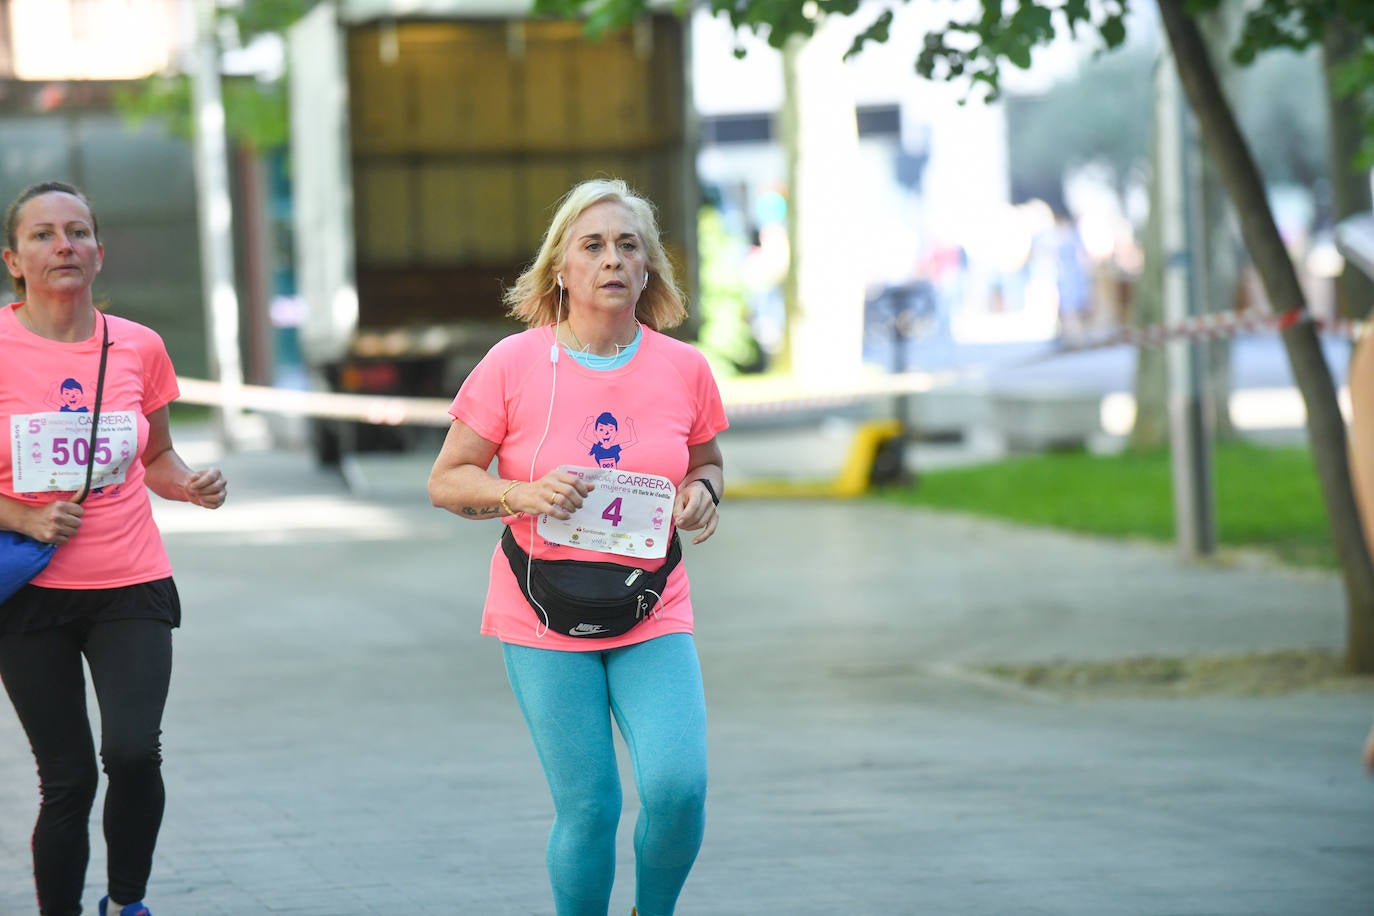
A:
{"x": 603, "y": 430}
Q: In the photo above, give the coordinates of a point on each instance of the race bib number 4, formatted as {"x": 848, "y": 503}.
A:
{"x": 628, "y": 514}
{"x": 52, "y": 450}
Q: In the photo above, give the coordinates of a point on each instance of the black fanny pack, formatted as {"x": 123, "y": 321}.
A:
{"x": 589, "y": 600}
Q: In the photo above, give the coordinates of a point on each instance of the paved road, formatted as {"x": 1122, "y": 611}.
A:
{"x": 341, "y": 741}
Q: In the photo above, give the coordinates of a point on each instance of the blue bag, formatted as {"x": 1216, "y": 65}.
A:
{"x": 21, "y": 557}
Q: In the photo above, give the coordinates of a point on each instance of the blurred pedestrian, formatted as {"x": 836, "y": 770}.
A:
{"x": 603, "y": 430}
{"x": 1072, "y": 278}
{"x": 107, "y": 594}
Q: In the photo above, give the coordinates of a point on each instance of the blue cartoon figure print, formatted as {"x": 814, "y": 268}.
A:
{"x": 604, "y": 439}
{"x": 70, "y": 396}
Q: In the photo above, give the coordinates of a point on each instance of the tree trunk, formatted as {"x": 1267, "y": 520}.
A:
{"x": 1325, "y": 425}
{"x": 824, "y": 305}
{"x": 1150, "y": 431}
{"x": 1350, "y": 192}
{"x": 1223, "y": 267}
{"x": 789, "y": 132}
{"x": 1151, "y": 428}
{"x": 1222, "y": 257}
{"x": 1221, "y": 264}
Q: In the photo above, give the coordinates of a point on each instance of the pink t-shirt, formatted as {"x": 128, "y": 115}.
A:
{"x": 651, "y": 410}
{"x": 118, "y": 543}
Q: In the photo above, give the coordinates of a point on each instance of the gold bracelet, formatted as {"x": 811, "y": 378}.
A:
{"x": 505, "y": 506}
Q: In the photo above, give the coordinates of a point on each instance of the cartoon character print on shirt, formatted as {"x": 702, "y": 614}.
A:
{"x": 71, "y": 398}
{"x": 605, "y": 440}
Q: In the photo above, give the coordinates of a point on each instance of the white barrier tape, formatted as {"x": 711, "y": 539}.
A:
{"x": 740, "y": 399}
{"x": 383, "y": 410}
{"x": 746, "y": 396}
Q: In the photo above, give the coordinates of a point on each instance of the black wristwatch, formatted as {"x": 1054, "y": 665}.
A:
{"x": 715, "y": 500}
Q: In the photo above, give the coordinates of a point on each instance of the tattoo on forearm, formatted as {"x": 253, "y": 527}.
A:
{"x": 481, "y": 511}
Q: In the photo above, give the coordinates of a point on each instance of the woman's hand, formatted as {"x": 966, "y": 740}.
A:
{"x": 56, "y": 522}
{"x": 694, "y": 510}
{"x": 206, "y": 488}
{"x": 558, "y": 494}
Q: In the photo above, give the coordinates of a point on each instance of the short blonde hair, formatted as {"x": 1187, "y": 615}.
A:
{"x": 534, "y": 299}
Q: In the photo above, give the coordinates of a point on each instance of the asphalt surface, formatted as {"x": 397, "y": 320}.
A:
{"x": 340, "y": 740}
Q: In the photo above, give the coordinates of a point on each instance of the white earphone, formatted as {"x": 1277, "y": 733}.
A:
{"x": 553, "y": 350}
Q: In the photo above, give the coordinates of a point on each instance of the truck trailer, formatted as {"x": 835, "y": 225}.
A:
{"x": 430, "y": 143}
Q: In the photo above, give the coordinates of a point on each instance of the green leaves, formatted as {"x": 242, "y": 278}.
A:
{"x": 1009, "y": 33}
{"x": 878, "y": 32}
{"x": 255, "y": 114}
{"x": 599, "y": 16}
{"x": 774, "y": 20}
{"x": 1113, "y": 31}
{"x": 1355, "y": 77}
{"x": 1297, "y": 24}
{"x": 257, "y": 17}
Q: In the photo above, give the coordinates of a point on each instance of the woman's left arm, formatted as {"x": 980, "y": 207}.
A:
{"x": 696, "y": 502}
{"x": 170, "y": 477}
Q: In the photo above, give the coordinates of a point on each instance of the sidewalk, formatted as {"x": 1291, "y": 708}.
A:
{"x": 340, "y": 740}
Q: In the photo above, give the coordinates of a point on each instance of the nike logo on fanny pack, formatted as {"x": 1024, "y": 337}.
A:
{"x": 586, "y": 629}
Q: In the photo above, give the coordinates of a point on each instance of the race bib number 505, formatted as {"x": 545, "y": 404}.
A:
{"x": 52, "y": 450}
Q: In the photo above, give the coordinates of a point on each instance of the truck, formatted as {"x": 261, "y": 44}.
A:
{"x": 430, "y": 143}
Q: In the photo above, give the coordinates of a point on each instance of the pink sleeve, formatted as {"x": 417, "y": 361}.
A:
{"x": 160, "y": 378}
{"x": 481, "y": 400}
{"x": 710, "y": 418}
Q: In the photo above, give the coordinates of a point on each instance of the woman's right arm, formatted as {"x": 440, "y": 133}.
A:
{"x": 52, "y": 522}
{"x": 459, "y": 482}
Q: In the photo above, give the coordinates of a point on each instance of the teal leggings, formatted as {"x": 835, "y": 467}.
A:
{"x": 654, "y": 691}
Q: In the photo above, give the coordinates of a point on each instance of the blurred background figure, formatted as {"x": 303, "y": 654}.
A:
{"x": 1071, "y": 279}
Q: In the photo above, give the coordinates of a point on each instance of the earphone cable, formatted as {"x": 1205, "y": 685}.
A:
{"x": 543, "y": 626}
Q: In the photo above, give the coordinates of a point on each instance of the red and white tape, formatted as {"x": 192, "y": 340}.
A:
{"x": 751, "y": 396}
{"x": 1216, "y": 326}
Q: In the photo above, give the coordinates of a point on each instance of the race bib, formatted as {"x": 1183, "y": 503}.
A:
{"x": 628, "y": 513}
{"x": 52, "y": 450}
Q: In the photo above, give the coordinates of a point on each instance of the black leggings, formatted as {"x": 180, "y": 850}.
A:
{"x": 131, "y": 665}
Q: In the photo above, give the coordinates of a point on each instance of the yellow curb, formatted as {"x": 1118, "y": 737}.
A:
{"x": 853, "y": 480}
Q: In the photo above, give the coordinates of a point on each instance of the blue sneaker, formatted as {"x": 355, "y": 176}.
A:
{"x": 132, "y": 909}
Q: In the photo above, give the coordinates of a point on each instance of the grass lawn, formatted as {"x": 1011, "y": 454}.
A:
{"x": 1266, "y": 498}
{"x": 1248, "y": 674}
